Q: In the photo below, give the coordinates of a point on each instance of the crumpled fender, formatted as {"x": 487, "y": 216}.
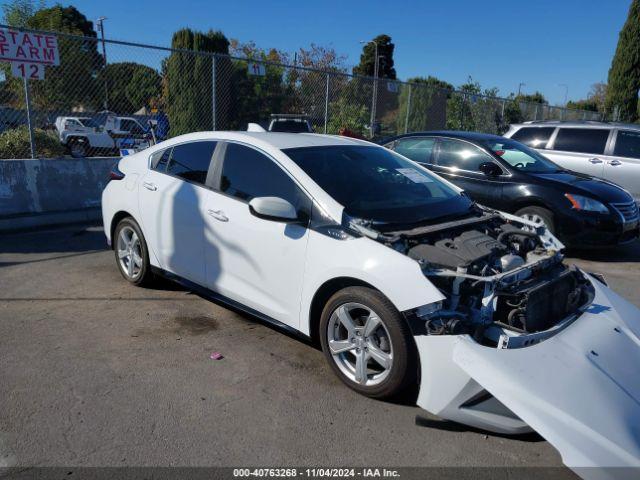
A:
{"x": 579, "y": 389}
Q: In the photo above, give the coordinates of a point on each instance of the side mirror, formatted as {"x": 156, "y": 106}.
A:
{"x": 273, "y": 208}
{"x": 490, "y": 169}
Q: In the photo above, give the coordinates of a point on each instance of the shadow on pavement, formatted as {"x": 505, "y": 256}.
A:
{"x": 78, "y": 238}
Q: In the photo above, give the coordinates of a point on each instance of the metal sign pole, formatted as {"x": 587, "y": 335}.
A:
{"x": 27, "y": 100}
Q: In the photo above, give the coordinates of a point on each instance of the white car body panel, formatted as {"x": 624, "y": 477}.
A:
{"x": 256, "y": 262}
{"x": 586, "y": 405}
{"x": 579, "y": 389}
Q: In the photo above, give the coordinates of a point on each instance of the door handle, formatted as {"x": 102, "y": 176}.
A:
{"x": 218, "y": 215}
{"x": 615, "y": 163}
{"x": 595, "y": 160}
{"x": 150, "y": 186}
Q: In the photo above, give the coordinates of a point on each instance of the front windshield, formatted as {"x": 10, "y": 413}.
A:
{"x": 376, "y": 184}
{"x": 521, "y": 157}
{"x": 88, "y": 122}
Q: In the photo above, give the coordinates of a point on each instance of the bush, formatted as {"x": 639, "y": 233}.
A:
{"x": 14, "y": 143}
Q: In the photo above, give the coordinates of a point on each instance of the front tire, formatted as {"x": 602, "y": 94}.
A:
{"x": 367, "y": 343}
{"x": 132, "y": 254}
{"x": 538, "y": 215}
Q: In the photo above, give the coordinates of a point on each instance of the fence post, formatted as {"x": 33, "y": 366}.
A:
{"x": 27, "y": 100}
{"x": 326, "y": 105}
{"x": 504, "y": 102}
{"x": 536, "y": 114}
{"x": 406, "y": 118}
{"x": 213, "y": 92}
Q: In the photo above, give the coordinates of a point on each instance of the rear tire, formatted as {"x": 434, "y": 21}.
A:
{"x": 368, "y": 343}
{"x": 77, "y": 148}
{"x": 538, "y": 215}
{"x": 131, "y": 252}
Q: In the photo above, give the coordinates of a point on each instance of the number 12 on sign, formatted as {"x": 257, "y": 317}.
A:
{"x": 30, "y": 71}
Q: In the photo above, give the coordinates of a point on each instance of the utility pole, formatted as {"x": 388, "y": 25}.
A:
{"x": 520, "y": 85}
{"x": 100, "y": 22}
{"x": 374, "y": 97}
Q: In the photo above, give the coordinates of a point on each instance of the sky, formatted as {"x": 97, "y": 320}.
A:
{"x": 498, "y": 43}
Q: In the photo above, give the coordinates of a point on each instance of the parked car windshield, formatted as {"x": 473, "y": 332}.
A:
{"x": 521, "y": 157}
{"x": 377, "y": 184}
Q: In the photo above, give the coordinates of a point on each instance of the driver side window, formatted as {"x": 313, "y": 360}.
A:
{"x": 248, "y": 173}
{"x": 461, "y": 155}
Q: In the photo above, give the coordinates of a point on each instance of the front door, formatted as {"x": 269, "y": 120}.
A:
{"x": 459, "y": 161}
{"x": 256, "y": 262}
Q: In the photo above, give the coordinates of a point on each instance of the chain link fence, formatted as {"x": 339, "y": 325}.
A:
{"x": 97, "y": 104}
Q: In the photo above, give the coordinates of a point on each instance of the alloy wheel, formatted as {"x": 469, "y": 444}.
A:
{"x": 537, "y": 219}
{"x": 360, "y": 344}
{"x": 129, "y": 252}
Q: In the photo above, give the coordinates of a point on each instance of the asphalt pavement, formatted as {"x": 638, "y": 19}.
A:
{"x": 96, "y": 372}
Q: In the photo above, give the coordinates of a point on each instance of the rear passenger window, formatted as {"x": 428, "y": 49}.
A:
{"x": 160, "y": 159}
{"x": 581, "y": 140}
{"x": 627, "y": 144}
{"x": 534, "y": 137}
{"x": 417, "y": 149}
{"x": 190, "y": 161}
{"x": 247, "y": 174}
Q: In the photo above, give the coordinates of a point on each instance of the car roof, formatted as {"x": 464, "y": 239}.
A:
{"x": 473, "y": 136}
{"x": 279, "y": 140}
{"x": 577, "y": 124}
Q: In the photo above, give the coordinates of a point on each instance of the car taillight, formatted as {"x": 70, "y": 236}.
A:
{"x": 115, "y": 173}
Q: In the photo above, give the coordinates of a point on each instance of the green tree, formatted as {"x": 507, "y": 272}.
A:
{"x": 17, "y": 12}
{"x": 624, "y": 74}
{"x": 131, "y": 86}
{"x": 536, "y": 97}
{"x": 144, "y": 86}
{"x": 474, "y": 109}
{"x": 426, "y": 99}
{"x": 72, "y": 83}
{"x": 385, "y": 53}
{"x": 586, "y": 104}
{"x": 189, "y": 80}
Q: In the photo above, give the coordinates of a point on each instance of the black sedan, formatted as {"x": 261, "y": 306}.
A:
{"x": 506, "y": 175}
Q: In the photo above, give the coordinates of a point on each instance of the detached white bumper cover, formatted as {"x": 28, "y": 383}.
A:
{"x": 579, "y": 389}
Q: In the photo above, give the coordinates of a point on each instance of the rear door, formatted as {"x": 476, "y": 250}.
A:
{"x": 172, "y": 202}
{"x": 459, "y": 162}
{"x": 580, "y": 149}
{"x": 623, "y": 166}
{"x": 256, "y": 262}
{"x": 418, "y": 149}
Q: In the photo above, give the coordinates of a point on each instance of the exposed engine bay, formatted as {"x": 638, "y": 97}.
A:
{"x": 503, "y": 278}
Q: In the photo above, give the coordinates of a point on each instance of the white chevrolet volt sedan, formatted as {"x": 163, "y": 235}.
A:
{"x": 396, "y": 273}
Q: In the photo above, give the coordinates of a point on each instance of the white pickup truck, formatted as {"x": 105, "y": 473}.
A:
{"x": 84, "y": 137}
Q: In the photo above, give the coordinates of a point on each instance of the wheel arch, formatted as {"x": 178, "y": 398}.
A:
{"x": 524, "y": 202}
{"x": 323, "y": 294}
{"x": 117, "y": 218}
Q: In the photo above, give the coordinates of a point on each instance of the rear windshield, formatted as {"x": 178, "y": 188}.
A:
{"x": 291, "y": 126}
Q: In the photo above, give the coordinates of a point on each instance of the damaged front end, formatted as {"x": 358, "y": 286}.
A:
{"x": 523, "y": 341}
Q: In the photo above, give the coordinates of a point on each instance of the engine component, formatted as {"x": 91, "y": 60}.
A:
{"x": 461, "y": 251}
{"x": 541, "y": 303}
{"x": 510, "y": 261}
